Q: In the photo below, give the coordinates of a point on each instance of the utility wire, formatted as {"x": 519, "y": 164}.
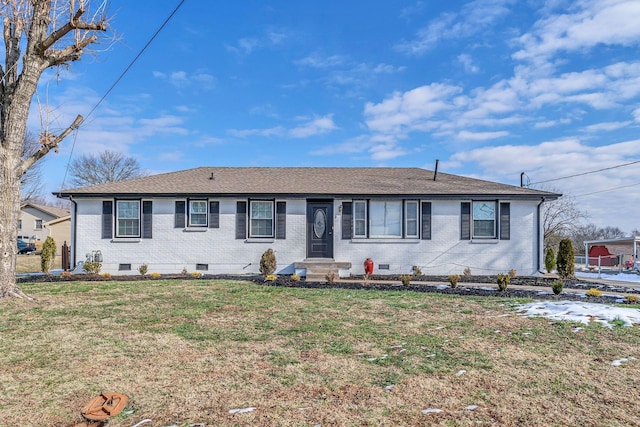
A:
{"x": 608, "y": 189}
{"x": 585, "y": 173}
{"x": 115, "y": 83}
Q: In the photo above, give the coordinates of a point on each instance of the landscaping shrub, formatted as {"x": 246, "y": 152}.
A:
{"x": 48, "y": 255}
{"x": 557, "y": 286}
{"x": 330, "y": 278}
{"x": 106, "y": 275}
{"x": 513, "y": 273}
{"x": 155, "y": 275}
{"x": 92, "y": 267}
{"x": 405, "y": 279}
{"x": 268, "y": 262}
{"x": 503, "y": 281}
{"x": 593, "y": 292}
{"x": 453, "y": 280}
{"x": 295, "y": 277}
{"x": 549, "y": 260}
{"x": 143, "y": 269}
{"x": 466, "y": 272}
{"x": 417, "y": 271}
{"x": 196, "y": 274}
{"x": 631, "y": 298}
{"x": 271, "y": 277}
{"x": 564, "y": 261}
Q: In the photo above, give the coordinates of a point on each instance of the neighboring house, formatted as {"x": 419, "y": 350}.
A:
{"x": 221, "y": 220}
{"x": 33, "y": 219}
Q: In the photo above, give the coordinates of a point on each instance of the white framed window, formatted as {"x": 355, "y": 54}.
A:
{"x": 38, "y": 224}
{"x": 385, "y": 218}
{"x": 261, "y": 218}
{"x": 484, "y": 220}
{"x": 360, "y": 219}
{"x": 197, "y": 213}
{"x": 128, "y": 218}
{"x": 411, "y": 214}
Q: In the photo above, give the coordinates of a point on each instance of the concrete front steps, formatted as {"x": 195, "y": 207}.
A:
{"x": 318, "y": 268}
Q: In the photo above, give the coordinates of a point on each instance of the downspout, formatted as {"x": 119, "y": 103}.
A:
{"x": 539, "y": 236}
{"x": 73, "y": 233}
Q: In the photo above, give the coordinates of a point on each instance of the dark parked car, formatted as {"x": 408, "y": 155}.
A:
{"x": 24, "y": 247}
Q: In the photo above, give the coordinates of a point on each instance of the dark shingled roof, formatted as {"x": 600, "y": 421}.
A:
{"x": 307, "y": 182}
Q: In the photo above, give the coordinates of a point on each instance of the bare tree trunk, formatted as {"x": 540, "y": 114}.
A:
{"x": 34, "y": 40}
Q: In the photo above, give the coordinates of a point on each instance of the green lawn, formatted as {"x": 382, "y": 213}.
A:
{"x": 189, "y": 351}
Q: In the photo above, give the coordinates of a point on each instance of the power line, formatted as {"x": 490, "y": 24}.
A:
{"x": 115, "y": 83}
{"x": 608, "y": 189}
{"x": 585, "y": 173}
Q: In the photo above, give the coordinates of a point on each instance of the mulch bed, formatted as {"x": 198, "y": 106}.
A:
{"x": 382, "y": 283}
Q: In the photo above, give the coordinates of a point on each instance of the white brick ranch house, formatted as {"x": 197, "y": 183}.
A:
{"x": 219, "y": 220}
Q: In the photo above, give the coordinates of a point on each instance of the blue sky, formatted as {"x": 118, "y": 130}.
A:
{"x": 491, "y": 88}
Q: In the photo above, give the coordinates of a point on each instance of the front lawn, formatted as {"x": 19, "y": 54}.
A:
{"x": 190, "y": 351}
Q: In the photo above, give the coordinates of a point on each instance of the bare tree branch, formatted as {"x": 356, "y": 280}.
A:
{"x": 49, "y": 142}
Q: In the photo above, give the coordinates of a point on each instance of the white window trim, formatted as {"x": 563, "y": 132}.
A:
{"x": 35, "y": 224}
{"x": 273, "y": 220}
{"x": 206, "y": 213}
{"x": 495, "y": 221}
{"x": 117, "y": 219}
{"x": 386, "y": 236}
{"x": 366, "y": 219}
{"x": 406, "y": 219}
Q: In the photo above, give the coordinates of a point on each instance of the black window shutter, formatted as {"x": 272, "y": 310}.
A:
{"x": 281, "y": 220}
{"x": 180, "y": 217}
{"x": 505, "y": 221}
{"x": 107, "y": 219}
{"x": 465, "y": 221}
{"x": 147, "y": 219}
{"x": 241, "y": 220}
{"x": 214, "y": 214}
{"x": 347, "y": 213}
{"x": 426, "y": 220}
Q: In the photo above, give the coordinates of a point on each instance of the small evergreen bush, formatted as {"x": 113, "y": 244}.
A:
{"x": 564, "y": 261}
{"x": 330, "y": 278}
{"x": 295, "y": 277}
{"x": 106, "y": 275}
{"x": 196, "y": 274}
{"x": 155, "y": 275}
{"x": 503, "y": 281}
{"x": 48, "y": 255}
{"x": 143, "y": 269}
{"x": 417, "y": 271}
{"x": 268, "y": 262}
{"x": 557, "y": 286}
{"x": 631, "y": 298}
{"x": 549, "y": 260}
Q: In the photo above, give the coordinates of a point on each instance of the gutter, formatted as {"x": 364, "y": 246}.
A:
{"x": 73, "y": 233}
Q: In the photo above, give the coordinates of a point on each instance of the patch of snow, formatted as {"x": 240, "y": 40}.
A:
{"x": 622, "y": 360}
{"x": 581, "y": 312}
{"x": 431, "y": 411}
{"x": 241, "y": 410}
{"x": 622, "y": 277}
{"x": 441, "y": 287}
{"x": 389, "y": 387}
{"x": 471, "y": 408}
{"x": 461, "y": 372}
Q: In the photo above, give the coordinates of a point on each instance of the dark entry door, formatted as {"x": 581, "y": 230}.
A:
{"x": 319, "y": 229}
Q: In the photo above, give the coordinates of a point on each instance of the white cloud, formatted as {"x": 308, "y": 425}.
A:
{"x": 475, "y": 16}
{"x": 588, "y": 24}
{"x": 480, "y": 136}
{"x": 411, "y": 110}
{"x": 180, "y": 79}
{"x": 316, "y": 60}
{"x": 317, "y": 126}
{"x": 312, "y": 127}
{"x": 467, "y": 63}
{"x": 607, "y": 126}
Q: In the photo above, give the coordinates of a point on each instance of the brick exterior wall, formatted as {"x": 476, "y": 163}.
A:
{"x": 172, "y": 249}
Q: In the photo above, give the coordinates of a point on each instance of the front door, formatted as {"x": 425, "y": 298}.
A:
{"x": 320, "y": 229}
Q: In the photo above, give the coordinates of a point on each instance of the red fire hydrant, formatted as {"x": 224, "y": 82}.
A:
{"x": 368, "y": 266}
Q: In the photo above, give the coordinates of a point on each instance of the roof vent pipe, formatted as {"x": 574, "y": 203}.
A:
{"x": 211, "y": 177}
{"x": 435, "y": 172}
